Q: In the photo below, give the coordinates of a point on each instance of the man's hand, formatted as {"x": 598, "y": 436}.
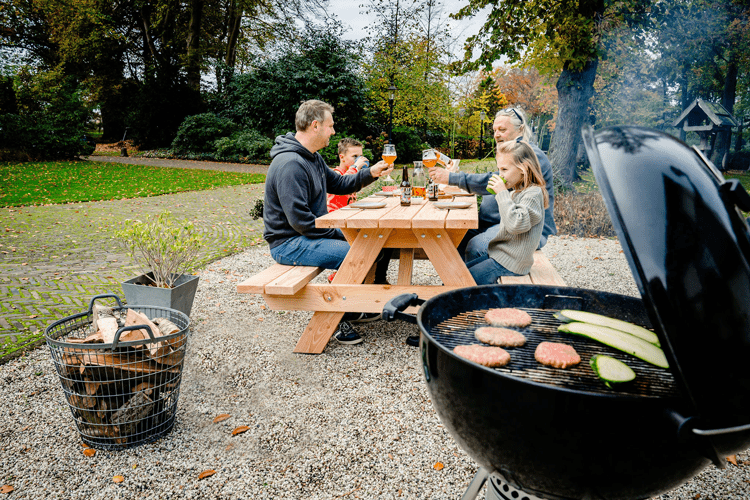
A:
{"x": 439, "y": 175}
{"x": 381, "y": 168}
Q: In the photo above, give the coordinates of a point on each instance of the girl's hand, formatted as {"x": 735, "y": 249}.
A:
{"x": 496, "y": 184}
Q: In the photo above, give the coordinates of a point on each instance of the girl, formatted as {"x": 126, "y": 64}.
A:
{"x": 521, "y": 198}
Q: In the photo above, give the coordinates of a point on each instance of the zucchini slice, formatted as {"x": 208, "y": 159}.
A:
{"x": 568, "y": 315}
{"x": 611, "y": 370}
{"x": 617, "y": 339}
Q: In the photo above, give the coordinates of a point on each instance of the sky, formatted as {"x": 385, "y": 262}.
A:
{"x": 348, "y": 11}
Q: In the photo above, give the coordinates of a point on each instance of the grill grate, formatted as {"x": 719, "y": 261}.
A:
{"x": 650, "y": 381}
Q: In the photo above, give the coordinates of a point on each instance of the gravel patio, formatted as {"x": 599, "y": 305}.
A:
{"x": 354, "y": 422}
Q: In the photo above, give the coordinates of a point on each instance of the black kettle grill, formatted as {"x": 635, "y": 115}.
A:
{"x": 561, "y": 434}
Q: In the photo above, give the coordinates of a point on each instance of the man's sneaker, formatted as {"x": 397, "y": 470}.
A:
{"x": 361, "y": 317}
{"x": 346, "y": 334}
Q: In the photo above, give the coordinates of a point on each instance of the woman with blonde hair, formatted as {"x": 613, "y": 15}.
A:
{"x": 521, "y": 198}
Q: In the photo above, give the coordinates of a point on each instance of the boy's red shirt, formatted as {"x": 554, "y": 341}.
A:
{"x": 336, "y": 201}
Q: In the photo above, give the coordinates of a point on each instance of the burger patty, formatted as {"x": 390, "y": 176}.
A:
{"x": 556, "y": 355}
{"x": 491, "y": 357}
{"x": 508, "y": 316}
{"x": 502, "y": 337}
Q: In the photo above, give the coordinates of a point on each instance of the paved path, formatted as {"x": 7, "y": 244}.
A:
{"x": 54, "y": 258}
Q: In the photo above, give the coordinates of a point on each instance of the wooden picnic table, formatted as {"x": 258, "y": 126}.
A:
{"x": 419, "y": 231}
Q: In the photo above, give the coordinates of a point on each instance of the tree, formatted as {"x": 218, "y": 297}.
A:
{"x": 320, "y": 65}
{"x": 555, "y": 37}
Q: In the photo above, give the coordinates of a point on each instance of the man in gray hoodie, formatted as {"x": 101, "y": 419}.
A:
{"x": 297, "y": 186}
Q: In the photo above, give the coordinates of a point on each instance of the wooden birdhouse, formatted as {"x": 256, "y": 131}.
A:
{"x": 706, "y": 119}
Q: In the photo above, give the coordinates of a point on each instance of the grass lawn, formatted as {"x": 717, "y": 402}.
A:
{"x": 55, "y": 182}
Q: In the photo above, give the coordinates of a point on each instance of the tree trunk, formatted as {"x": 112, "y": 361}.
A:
{"x": 574, "y": 90}
{"x": 193, "y": 68}
{"x": 235, "y": 21}
{"x": 685, "y": 97}
{"x": 724, "y": 137}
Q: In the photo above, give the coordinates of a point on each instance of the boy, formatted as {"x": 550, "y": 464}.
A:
{"x": 349, "y": 150}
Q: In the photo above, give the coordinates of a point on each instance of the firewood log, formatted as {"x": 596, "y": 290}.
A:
{"x": 131, "y": 413}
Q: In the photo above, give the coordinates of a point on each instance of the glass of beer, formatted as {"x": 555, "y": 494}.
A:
{"x": 389, "y": 153}
{"x": 389, "y": 156}
{"x": 429, "y": 158}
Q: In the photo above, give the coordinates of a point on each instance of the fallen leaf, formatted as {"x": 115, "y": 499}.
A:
{"x": 6, "y": 489}
{"x": 390, "y": 456}
{"x": 118, "y": 479}
{"x": 240, "y": 430}
{"x": 261, "y": 319}
{"x": 33, "y": 316}
{"x": 85, "y": 445}
{"x": 732, "y": 459}
{"x": 206, "y": 473}
{"x": 438, "y": 466}
{"x": 222, "y": 417}
{"x": 89, "y": 452}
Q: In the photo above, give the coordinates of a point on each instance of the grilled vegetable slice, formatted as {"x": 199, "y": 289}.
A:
{"x": 619, "y": 340}
{"x": 568, "y": 315}
{"x": 611, "y": 370}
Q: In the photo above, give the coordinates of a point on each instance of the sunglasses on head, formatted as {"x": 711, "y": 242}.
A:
{"x": 513, "y": 110}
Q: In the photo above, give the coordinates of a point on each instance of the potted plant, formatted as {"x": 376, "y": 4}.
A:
{"x": 166, "y": 249}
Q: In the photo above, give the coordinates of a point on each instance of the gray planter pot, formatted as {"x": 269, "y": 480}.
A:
{"x": 180, "y": 297}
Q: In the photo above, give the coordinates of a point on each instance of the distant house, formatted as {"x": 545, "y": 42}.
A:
{"x": 707, "y": 119}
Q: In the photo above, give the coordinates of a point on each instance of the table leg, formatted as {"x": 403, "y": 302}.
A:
{"x": 353, "y": 270}
{"x": 444, "y": 256}
{"x": 405, "y": 265}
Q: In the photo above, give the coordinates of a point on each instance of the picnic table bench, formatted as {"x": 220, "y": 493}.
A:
{"x": 420, "y": 231}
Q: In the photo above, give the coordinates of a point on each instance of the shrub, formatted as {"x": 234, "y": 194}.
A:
{"x": 198, "y": 133}
{"x": 739, "y": 161}
{"x": 582, "y": 214}
{"x": 246, "y": 143}
{"x": 330, "y": 153}
{"x": 50, "y": 124}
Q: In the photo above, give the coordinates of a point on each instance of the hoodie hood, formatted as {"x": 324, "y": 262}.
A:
{"x": 289, "y": 144}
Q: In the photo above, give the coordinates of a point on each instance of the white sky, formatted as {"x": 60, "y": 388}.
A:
{"x": 348, "y": 11}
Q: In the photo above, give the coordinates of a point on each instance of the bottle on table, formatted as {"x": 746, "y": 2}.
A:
{"x": 405, "y": 188}
{"x": 418, "y": 182}
{"x": 432, "y": 190}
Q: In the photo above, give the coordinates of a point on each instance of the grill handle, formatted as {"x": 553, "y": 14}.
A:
{"x": 392, "y": 309}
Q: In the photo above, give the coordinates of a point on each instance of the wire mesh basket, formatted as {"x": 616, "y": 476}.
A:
{"x": 120, "y": 368}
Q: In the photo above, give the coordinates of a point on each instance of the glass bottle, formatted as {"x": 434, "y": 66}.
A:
{"x": 432, "y": 190}
{"x": 405, "y": 188}
{"x": 418, "y": 182}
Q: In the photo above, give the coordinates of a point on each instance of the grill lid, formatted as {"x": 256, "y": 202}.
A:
{"x": 688, "y": 246}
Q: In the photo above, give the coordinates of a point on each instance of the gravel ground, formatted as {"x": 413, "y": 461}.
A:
{"x": 355, "y": 422}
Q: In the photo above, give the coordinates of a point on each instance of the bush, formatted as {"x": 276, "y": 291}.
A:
{"x": 739, "y": 161}
{"x": 582, "y": 214}
{"x": 247, "y": 143}
{"x": 198, "y": 133}
{"x": 50, "y": 125}
{"x": 330, "y": 153}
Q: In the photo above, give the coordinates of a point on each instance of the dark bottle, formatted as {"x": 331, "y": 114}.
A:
{"x": 432, "y": 190}
{"x": 405, "y": 188}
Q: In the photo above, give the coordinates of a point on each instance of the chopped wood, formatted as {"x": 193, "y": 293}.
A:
{"x": 91, "y": 387}
{"x": 155, "y": 349}
{"x": 146, "y": 387}
{"x": 99, "y": 312}
{"x": 107, "y": 328}
{"x": 128, "y": 416}
{"x": 116, "y": 362}
{"x": 79, "y": 401}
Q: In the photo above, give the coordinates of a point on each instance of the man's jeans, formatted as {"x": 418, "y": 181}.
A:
{"x": 323, "y": 252}
{"x": 303, "y": 251}
{"x": 485, "y": 270}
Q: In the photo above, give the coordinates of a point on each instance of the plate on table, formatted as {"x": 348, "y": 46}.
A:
{"x": 447, "y": 205}
{"x": 462, "y": 193}
{"x": 368, "y": 204}
{"x": 388, "y": 193}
